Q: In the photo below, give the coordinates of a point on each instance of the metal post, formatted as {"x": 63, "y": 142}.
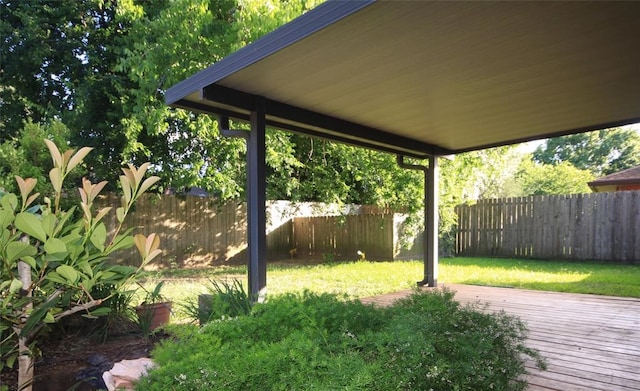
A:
{"x": 256, "y": 198}
{"x": 256, "y": 203}
{"x": 431, "y": 222}
{"x": 430, "y": 236}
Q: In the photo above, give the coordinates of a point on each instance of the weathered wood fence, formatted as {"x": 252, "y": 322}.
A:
{"x": 342, "y": 237}
{"x": 598, "y": 226}
{"x": 199, "y": 231}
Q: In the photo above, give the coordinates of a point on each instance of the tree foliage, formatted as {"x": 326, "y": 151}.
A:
{"x": 51, "y": 258}
{"x": 602, "y": 152}
{"x": 562, "y": 178}
{"x": 100, "y": 69}
{"x": 42, "y": 50}
{"x": 58, "y": 63}
{"x": 26, "y": 155}
{"x": 162, "y": 52}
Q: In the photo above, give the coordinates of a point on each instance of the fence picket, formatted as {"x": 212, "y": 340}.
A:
{"x": 600, "y": 226}
{"x": 199, "y": 232}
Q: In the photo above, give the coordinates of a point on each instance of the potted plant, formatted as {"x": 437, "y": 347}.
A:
{"x": 155, "y": 309}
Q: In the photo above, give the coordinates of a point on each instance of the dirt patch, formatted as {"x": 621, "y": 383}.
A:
{"x": 76, "y": 355}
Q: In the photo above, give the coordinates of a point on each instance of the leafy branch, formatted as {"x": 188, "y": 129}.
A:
{"x": 51, "y": 259}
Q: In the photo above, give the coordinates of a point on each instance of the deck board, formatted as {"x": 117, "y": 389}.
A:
{"x": 590, "y": 342}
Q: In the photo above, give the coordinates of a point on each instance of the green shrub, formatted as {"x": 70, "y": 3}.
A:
{"x": 222, "y": 300}
{"x": 52, "y": 258}
{"x": 319, "y": 342}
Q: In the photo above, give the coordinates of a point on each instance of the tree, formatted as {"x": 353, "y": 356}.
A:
{"x": 494, "y": 171}
{"x": 26, "y": 155}
{"x": 42, "y": 58}
{"x": 101, "y": 91}
{"x": 562, "y": 178}
{"x": 602, "y": 152}
{"x": 160, "y": 52}
{"x": 326, "y": 171}
{"x": 52, "y": 259}
{"x": 58, "y": 63}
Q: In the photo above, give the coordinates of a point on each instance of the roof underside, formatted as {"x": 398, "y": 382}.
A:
{"x": 423, "y": 78}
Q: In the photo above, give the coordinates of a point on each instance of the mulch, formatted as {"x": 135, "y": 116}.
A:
{"x": 76, "y": 353}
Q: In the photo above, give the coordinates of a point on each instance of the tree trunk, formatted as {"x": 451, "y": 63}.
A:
{"x": 25, "y": 361}
{"x": 25, "y": 368}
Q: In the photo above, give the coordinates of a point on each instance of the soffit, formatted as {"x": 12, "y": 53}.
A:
{"x": 455, "y": 75}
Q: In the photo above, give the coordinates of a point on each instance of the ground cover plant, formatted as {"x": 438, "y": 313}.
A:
{"x": 310, "y": 341}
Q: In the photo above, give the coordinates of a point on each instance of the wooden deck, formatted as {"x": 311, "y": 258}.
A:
{"x": 590, "y": 342}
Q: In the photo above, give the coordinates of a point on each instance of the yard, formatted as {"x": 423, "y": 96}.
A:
{"x": 349, "y": 280}
{"x": 310, "y": 320}
{"x": 364, "y": 279}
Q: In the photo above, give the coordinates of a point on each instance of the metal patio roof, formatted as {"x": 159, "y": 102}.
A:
{"x": 434, "y": 78}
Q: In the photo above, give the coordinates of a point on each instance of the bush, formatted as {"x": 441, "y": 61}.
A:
{"x": 52, "y": 258}
{"x": 223, "y": 299}
{"x": 318, "y": 342}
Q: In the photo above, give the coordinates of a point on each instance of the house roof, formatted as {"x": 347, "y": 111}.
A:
{"x": 628, "y": 176}
{"x": 434, "y": 78}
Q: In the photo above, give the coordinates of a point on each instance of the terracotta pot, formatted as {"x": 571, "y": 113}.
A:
{"x": 154, "y": 314}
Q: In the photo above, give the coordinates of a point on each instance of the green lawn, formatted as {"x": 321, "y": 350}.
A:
{"x": 576, "y": 277}
{"x": 362, "y": 279}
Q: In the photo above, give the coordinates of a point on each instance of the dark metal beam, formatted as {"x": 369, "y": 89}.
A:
{"x": 218, "y": 99}
{"x": 221, "y": 112}
{"x": 430, "y": 241}
{"x": 431, "y": 222}
{"x": 256, "y": 203}
{"x": 228, "y": 97}
{"x": 345, "y": 140}
{"x": 324, "y": 123}
{"x": 413, "y": 152}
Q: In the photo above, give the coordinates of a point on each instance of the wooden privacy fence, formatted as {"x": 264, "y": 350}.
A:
{"x": 199, "y": 231}
{"x": 343, "y": 237}
{"x": 598, "y": 226}
{"x": 193, "y": 231}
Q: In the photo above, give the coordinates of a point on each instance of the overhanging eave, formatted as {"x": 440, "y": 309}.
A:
{"x": 222, "y": 101}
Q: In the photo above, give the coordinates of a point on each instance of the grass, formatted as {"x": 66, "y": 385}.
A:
{"x": 362, "y": 279}
{"x": 574, "y": 277}
{"x": 353, "y": 279}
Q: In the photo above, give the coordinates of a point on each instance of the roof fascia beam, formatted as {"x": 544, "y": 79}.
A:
{"x": 348, "y": 129}
{"x": 591, "y": 128}
{"x": 311, "y": 22}
{"x": 223, "y": 113}
{"x": 345, "y": 140}
{"x": 285, "y": 116}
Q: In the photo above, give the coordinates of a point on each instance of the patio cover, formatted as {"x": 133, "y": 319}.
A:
{"x": 425, "y": 79}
